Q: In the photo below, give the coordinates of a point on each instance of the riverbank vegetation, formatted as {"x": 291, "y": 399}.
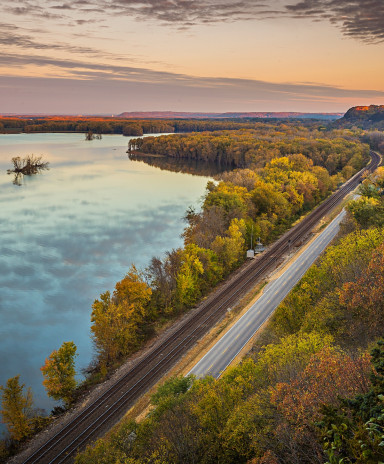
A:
{"x": 59, "y": 373}
{"x": 138, "y": 127}
{"x": 253, "y": 148}
{"x": 311, "y": 390}
{"x": 19, "y": 415}
{"x": 113, "y": 125}
{"x": 288, "y": 170}
{"x": 22, "y": 419}
{"x": 260, "y": 202}
{"x": 263, "y": 202}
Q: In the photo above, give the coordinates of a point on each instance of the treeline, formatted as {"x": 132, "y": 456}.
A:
{"x": 254, "y": 147}
{"x": 95, "y": 125}
{"x": 311, "y": 391}
{"x": 120, "y": 125}
{"x": 138, "y": 127}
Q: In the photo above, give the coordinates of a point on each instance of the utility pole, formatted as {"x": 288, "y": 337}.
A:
{"x": 252, "y": 238}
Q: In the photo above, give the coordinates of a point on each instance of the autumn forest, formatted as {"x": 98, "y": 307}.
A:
{"x": 312, "y": 387}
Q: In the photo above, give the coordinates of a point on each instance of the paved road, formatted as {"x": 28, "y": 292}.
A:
{"x": 227, "y": 348}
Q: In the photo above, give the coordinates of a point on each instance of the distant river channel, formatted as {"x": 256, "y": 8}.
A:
{"x": 69, "y": 234}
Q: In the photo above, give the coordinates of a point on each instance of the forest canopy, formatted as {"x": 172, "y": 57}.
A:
{"x": 312, "y": 389}
{"x": 255, "y": 147}
{"x": 290, "y": 172}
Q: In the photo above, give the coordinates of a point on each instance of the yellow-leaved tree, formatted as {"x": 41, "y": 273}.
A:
{"x": 231, "y": 248}
{"x": 59, "y": 373}
{"x": 120, "y": 321}
{"x": 16, "y": 408}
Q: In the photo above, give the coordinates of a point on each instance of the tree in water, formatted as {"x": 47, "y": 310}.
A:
{"x": 90, "y": 136}
{"x": 27, "y": 166}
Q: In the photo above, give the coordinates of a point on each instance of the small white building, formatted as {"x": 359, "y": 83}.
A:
{"x": 250, "y": 254}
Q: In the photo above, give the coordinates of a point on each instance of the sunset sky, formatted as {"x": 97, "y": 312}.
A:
{"x": 110, "y": 56}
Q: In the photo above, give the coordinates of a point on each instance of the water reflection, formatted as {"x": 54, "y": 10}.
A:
{"x": 70, "y": 234}
{"x": 186, "y": 166}
{"x": 18, "y": 176}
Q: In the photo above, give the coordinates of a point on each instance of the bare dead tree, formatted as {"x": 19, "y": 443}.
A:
{"x": 28, "y": 165}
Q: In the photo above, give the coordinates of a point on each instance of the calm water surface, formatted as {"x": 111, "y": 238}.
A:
{"x": 69, "y": 234}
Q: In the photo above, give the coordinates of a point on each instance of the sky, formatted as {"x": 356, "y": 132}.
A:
{"x": 111, "y": 56}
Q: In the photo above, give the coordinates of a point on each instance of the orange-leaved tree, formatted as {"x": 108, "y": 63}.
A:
{"x": 329, "y": 375}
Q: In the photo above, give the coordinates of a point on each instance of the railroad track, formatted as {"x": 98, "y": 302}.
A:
{"x": 102, "y": 414}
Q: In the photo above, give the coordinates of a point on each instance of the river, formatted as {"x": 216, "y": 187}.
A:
{"x": 70, "y": 233}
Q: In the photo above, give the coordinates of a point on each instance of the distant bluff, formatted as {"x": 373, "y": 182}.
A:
{"x": 365, "y": 117}
{"x": 370, "y": 113}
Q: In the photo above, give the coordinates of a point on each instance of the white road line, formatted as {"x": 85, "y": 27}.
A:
{"x": 291, "y": 276}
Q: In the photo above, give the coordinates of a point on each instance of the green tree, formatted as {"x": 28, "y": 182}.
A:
{"x": 16, "y": 408}
{"x": 367, "y": 211}
{"x": 170, "y": 392}
{"x": 59, "y": 373}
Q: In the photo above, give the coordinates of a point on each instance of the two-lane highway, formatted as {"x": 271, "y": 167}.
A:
{"x": 230, "y": 344}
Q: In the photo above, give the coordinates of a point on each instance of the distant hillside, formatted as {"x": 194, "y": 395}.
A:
{"x": 186, "y": 115}
{"x": 365, "y": 117}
